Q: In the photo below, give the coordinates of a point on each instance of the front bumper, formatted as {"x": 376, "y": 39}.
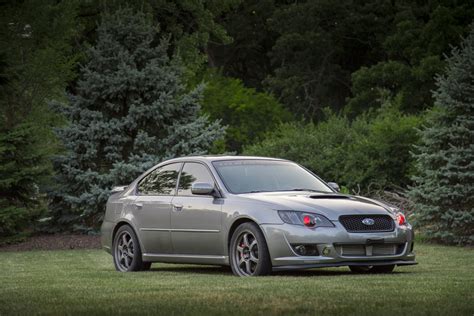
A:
{"x": 330, "y": 243}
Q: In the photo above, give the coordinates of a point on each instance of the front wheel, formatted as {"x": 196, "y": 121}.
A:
{"x": 127, "y": 253}
{"x": 249, "y": 252}
{"x": 372, "y": 269}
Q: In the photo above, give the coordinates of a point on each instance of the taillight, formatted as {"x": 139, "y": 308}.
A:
{"x": 401, "y": 219}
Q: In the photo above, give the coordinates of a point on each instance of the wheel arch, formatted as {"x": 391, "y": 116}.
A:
{"x": 239, "y": 221}
{"x": 121, "y": 223}
{"x": 267, "y": 263}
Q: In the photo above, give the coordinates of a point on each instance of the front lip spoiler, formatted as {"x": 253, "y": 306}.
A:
{"x": 345, "y": 263}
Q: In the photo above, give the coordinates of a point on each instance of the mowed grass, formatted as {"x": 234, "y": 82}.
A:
{"x": 85, "y": 282}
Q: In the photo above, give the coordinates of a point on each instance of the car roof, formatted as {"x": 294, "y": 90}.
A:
{"x": 211, "y": 158}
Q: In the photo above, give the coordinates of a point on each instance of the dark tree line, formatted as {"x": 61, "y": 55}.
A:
{"x": 343, "y": 87}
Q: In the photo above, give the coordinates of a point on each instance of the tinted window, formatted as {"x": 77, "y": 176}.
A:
{"x": 161, "y": 181}
{"x": 193, "y": 172}
{"x": 245, "y": 176}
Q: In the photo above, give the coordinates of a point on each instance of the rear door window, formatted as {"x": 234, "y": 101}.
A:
{"x": 161, "y": 181}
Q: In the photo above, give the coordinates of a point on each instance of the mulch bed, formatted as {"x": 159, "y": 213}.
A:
{"x": 55, "y": 242}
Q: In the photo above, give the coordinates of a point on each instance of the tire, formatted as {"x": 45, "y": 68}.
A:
{"x": 248, "y": 251}
{"x": 126, "y": 252}
{"x": 372, "y": 269}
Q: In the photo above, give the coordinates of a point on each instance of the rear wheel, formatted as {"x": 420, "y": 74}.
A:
{"x": 127, "y": 253}
{"x": 372, "y": 269}
{"x": 248, "y": 251}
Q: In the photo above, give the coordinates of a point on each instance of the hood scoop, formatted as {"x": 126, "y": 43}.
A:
{"x": 328, "y": 196}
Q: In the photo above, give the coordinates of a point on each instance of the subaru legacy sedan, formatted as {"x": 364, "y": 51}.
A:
{"x": 255, "y": 214}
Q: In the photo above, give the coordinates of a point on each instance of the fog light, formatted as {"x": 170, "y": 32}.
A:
{"x": 305, "y": 250}
{"x": 301, "y": 250}
{"x": 326, "y": 251}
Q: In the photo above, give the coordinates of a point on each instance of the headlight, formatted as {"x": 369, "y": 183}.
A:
{"x": 304, "y": 219}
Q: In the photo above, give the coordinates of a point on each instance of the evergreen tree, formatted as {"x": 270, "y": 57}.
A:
{"x": 444, "y": 192}
{"x": 22, "y": 166}
{"x": 130, "y": 112}
{"x": 36, "y": 64}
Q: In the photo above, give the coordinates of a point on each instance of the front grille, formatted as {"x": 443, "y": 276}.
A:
{"x": 369, "y": 250}
{"x": 354, "y": 223}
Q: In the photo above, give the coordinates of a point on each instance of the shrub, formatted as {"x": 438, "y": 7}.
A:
{"x": 248, "y": 114}
{"x": 370, "y": 153}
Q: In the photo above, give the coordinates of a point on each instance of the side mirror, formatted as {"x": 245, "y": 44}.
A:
{"x": 202, "y": 188}
{"x": 335, "y": 186}
{"x": 118, "y": 189}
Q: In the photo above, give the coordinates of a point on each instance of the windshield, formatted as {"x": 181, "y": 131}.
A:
{"x": 247, "y": 176}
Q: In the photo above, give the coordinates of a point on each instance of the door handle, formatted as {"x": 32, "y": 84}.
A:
{"x": 138, "y": 206}
{"x": 177, "y": 207}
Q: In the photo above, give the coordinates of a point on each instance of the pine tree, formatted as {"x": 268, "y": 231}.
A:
{"x": 131, "y": 111}
{"x": 37, "y": 61}
{"x": 22, "y": 167}
{"x": 444, "y": 192}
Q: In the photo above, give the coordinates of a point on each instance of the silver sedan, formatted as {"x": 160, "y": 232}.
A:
{"x": 255, "y": 214}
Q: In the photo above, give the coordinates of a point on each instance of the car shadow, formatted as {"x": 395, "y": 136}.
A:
{"x": 323, "y": 272}
{"x": 192, "y": 269}
{"x": 225, "y": 270}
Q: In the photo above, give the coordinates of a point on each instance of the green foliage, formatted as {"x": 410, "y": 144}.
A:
{"x": 443, "y": 194}
{"x": 414, "y": 49}
{"x": 368, "y": 154}
{"x": 307, "y": 144}
{"x": 322, "y": 53}
{"x": 36, "y": 63}
{"x": 39, "y": 60}
{"x": 134, "y": 105}
{"x": 319, "y": 44}
{"x": 304, "y": 52}
{"x": 190, "y": 25}
{"x": 22, "y": 167}
{"x": 130, "y": 112}
{"x": 380, "y": 150}
{"x": 248, "y": 114}
{"x": 246, "y": 57}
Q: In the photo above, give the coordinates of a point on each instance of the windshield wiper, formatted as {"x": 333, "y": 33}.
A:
{"x": 309, "y": 190}
{"x": 254, "y": 191}
{"x": 297, "y": 189}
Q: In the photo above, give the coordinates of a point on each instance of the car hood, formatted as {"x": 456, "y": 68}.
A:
{"x": 331, "y": 205}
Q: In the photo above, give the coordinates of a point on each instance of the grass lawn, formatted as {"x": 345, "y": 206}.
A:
{"x": 84, "y": 282}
